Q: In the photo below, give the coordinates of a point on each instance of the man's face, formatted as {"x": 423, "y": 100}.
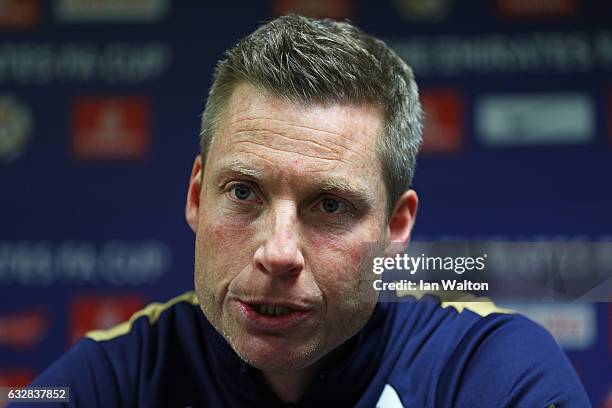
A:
{"x": 288, "y": 195}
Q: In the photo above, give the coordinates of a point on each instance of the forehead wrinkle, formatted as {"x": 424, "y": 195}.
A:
{"x": 303, "y": 146}
{"x": 255, "y": 132}
{"x": 297, "y": 152}
{"x": 335, "y": 137}
{"x": 320, "y": 141}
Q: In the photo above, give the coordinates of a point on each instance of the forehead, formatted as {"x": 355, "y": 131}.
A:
{"x": 274, "y": 134}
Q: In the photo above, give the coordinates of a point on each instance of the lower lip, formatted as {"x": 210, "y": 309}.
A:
{"x": 272, "y": 324}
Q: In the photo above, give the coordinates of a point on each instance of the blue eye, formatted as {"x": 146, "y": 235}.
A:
{"x": 332, "y": 206}
{"x": 242, "y": 192}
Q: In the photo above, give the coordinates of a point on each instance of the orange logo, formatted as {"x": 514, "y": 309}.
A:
{"x": 101, "y": 312}
{"x": 19, "y": 14}
{"x": 22, "y": 330}
{"x": 443, "y": 124}
{"x": 115, "y": 128}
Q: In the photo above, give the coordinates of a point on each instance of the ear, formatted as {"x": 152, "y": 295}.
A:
{"x": 401, "y": 223}
{"x": 192, "y": 209}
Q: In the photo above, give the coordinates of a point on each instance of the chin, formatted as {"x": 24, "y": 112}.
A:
{"x": 275, "y": 354}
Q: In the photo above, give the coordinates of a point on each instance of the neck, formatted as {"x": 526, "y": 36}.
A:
{"x": 289, "y": 386}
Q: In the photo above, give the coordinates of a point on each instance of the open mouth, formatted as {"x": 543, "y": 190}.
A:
{"x": 272, "y": 318}
{"x": 272, "y": 310}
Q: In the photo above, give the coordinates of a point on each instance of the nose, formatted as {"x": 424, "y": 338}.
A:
{"x": 279, "y": 253}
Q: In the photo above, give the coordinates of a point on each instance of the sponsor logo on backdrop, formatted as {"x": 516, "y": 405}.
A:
{"x": 111, "y": 10}
{"x": 113, "y": 262}
{"x": 573, "y": 325}
{"x": 112, "y": 128}
{"x": 520, "y": 9}
{"x": 443, "y": 124}
{"x": 423, "y": 10}
{"x": 24, "y": 329}
{"x": 19, "y": 14}
{"x": 101, "y": 312}
{"x": 535, "y": 119}
{"x": 316, "y": 8}
{"x": 543, "y": 52}
{"x": 15, "y": 127}
{"x": 44, "y": 63}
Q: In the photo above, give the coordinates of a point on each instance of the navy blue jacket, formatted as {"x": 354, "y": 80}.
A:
{"x": 410, "y": 354}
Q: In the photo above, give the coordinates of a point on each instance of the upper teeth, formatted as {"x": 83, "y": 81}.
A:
{"x": 272, "y": 310}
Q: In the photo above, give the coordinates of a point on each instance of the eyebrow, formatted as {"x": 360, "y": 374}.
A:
{"x": 341, "y": 186}
{"x": 238, "y": 167}
{"x": 346, "y": 189}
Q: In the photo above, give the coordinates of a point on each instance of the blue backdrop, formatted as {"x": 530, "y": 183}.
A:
{"x": 99, "y": 116}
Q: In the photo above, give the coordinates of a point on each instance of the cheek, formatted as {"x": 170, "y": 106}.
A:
{"x": 222, "y": 251}
{"x": 220, "y": 228}
{"x": 338, "y": 269}
{"x": 346, "y": 245}
{"x": 345, "y": 293}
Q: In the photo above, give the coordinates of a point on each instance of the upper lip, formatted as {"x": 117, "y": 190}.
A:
{"x": 291, "y": 305}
